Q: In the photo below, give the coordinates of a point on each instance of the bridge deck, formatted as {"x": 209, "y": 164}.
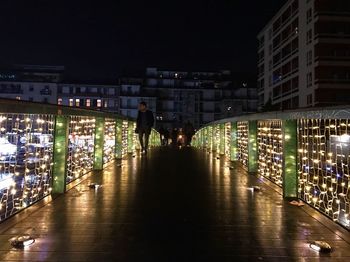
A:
{"x": 173, "y": 205}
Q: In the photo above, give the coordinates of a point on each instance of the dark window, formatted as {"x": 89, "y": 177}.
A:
{"x": 309, "y": 15}
{"x": 295, "y": 102}
{"x": 309, "y": 79}
{"x": 309, "y": 57}
{"x": 309, "y": 99}
{"x": 309, "y": 36}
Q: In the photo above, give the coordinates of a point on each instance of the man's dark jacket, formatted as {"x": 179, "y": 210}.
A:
{"x": 149, "y": 120}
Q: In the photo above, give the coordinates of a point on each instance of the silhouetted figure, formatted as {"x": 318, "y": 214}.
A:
{"x": 189, "y": 132}
{"x": 144, "y": 124}
{"x": 166, "y": 136}
{"x": 174, "y": 134}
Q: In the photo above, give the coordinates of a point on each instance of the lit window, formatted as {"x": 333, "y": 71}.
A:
{"x": 59, "y": 101}
{"x": 88, "y": 102}
{"x": 18, "y": 97}
{"x": 77, "y": 102}
{"x": 106, "y": 103}
{"x": 99, "y": 103}
{"x": 70, "y": 101}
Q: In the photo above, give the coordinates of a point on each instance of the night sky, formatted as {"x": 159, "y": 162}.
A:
{"x": 104, "y": 39}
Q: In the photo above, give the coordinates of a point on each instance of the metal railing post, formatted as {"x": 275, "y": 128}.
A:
{"x": 130, "y": 137}
{"x": 290, "y": 152}
{"x": 233, "y": 141}
{"x": 99, "y": 143}
{"x": 60, "y": 154}
{"x": 252, "y": 147}
{"x": 222, "y": 139}
{"x": 118, "y": 138}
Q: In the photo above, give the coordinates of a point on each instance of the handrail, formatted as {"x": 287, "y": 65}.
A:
{"x": 321, "y": 112}
{"x": 45, "y": 149}
{"x": 27, "y": 107}
{"x": 303, "y": 151}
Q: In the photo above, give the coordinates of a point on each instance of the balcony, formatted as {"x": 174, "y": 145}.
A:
{"x": 45, "y": 92}
{"x": 11, "y": 90}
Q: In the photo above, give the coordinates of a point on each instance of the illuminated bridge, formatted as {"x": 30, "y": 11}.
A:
{"x": 263, "y": 187}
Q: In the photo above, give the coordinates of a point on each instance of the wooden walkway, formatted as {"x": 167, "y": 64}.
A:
{"x": 172, "y": 205}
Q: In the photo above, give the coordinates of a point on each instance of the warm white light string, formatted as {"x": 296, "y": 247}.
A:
{"x": 26, "y": 159}
{"x": 80, "y": 146}
{"x": 324, "y": 147}
{"x": 109, "y": 140}
{"x": 270, "y": 150}
{"x": 242, "y": 142}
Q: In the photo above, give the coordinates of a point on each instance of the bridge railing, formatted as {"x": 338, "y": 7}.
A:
{"x": 44, "y": 148}
{"x": 306, "y": 153}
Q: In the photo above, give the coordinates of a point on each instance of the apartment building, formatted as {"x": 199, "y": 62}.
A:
{"x": 178, "y": 97}
{"x": 92, "y": 96}
{"x": 36, "y": 83}
{"x": 304, "y": 55}
{"x": 45, "y": 84}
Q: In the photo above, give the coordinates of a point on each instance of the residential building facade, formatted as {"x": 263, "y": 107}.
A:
{"x": 45, "y": 84}
{"x": 179, "y": 97}
{"x": 31, "y": 83}
{"x": 130, "y": 97}
{"x": 98, "y": 97}
{"x": 304, "y": 55}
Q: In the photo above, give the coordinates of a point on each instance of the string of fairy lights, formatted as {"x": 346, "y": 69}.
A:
{"x": 26, "y": 155}
{"x": 323, "y": 159}
{"x": 216, "y": 141}
{"x": 136, "y": 143}
{"x": 210, "y": 140}
{"x": 228, "y": 140}
{"x": 242, "y": 142}
{"x": 125, "y": 126}
{"x": 109, "y": 140}
{"x": 26, "y": 152}
{"x": 324, "y": 152}
{"x": 270, "y": 150}
{"x": 80, "y": 146}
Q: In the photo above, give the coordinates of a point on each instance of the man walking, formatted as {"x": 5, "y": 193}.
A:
{"x": 144, "y": 124}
